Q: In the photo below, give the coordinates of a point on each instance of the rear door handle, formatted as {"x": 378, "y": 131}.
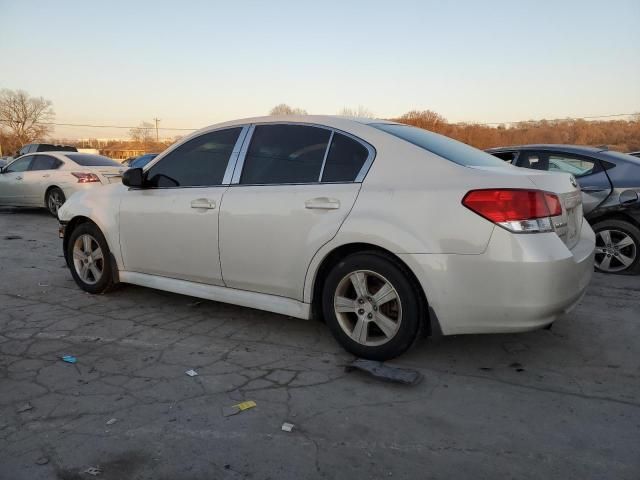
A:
{"x": 203, "y": 203}
{"x": 322, "y": 203}
{"x": 46, "y": 175}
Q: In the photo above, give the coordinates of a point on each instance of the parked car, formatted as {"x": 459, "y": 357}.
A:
{"x": 45, "y": 147}
{"x": 47, "y": 180}
{"x": 383, "y": 229}
{"x": 610, "y": 184}
{"x": 140, "y": 161}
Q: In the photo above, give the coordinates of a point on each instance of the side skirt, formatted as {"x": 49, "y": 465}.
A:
{"x": 259, "y": 301}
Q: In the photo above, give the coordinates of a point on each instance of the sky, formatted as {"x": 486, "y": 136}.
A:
{"x": 195, "y": 63}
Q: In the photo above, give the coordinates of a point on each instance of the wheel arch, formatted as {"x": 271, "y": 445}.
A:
{"x": 342, "y": 251}
{"x": 46, "y": 193}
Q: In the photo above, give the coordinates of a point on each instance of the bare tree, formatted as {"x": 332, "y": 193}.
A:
{"x": 284, "y": 109}
{"x": 143, "y": 133}
{"x": 360, "y": 112}
{"x": 25, "y": 117}
{"x": 427, "y": 119}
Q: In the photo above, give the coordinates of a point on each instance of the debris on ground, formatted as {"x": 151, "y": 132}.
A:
{"x": 13, "y": 237}
{"x": 235, "y": 409}
{"x": 24, "y": 407}
{"x": 287, "y": 427}
{"x": 514, "y": 347}
{"x": 191, "y": 373}
{"x": 42, "y": 461}
{"x": 43, "y": 284}
{"x": 69, "y": 359}
{"x": 517, "y": 366}
{"x": 112, "y": 421}
{"x": 385, "y": 372}
{"x": 194, "y": 304}
{"x": 95, "y": 471}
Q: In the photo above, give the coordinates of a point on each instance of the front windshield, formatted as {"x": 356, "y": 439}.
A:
{"x": 445, "y": 147}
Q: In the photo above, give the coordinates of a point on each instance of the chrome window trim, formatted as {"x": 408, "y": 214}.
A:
{"x": 231, "y": 161}
{"x": 326, "y": 154}
{"x": 233, "y": 158}
{"x": 235, "y": 181}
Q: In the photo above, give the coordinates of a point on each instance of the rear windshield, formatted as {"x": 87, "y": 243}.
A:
{"x": 445, "y": 147}
{"x": 89, "y": 160}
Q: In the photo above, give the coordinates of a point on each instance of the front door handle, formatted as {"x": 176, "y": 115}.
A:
{"x": 18, "y": 178}
{"x": 46, "y": 175}
{"x": 322, "y": 203}
{"x": 203, "y": 203}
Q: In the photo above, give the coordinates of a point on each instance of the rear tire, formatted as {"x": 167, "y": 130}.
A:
{"x": 88, "y": 257}
{"x": 617, "y": 247}
{"x": 54, "y": 199}
{"x": 371, "y": 306}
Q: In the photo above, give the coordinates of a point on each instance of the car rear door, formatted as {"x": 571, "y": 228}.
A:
{"x": 170, "y": 227}
{"x": 38, "y": 178}
{"x": 588, "y": 171}
{"x": 12, "y": 187}
{"x": 292, "y": 189}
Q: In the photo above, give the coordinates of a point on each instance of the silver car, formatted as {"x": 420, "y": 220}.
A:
{"x": 48, "y": 179}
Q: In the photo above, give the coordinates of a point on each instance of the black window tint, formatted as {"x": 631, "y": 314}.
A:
{"x": 285, "y": 154}
{"x": 20, "y": 165}
{"x": 508, "y": 157}
{"x": 345, "y": 160}
{"x": 90, "y": 160}
{"x": 199, "y": 162}
{"x": 45, "y": 162}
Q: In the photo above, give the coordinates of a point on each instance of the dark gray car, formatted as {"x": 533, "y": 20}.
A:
{"x": 610, "y": 184}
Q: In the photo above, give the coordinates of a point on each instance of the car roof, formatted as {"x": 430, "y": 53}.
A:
{"x": 335, "y": 121}
{"x": 550, "y": 146}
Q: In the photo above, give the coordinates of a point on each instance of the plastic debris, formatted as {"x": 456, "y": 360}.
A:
{"x": 112, "y": 421}
{"x": 43, "y": 284}
{"x": 240, "y": 407}
{"x": 385, "y": 372}
{"x": 95, "y": 471}
{"x": 69, "y": 359}
{"x": 191, "y": 373}
{"x": 24, "y": 407}
{"x": 42, "y": 461}
{"x": 287, "y": 427}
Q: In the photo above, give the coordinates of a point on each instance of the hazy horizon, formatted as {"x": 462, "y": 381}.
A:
{"x": 199, "y": 63}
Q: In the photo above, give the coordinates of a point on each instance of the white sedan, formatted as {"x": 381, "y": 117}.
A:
{"x": 382, "y": 229}
{"x": 48, "y": 179}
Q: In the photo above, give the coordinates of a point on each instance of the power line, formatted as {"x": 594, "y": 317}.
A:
{"x": 113, "y": 126}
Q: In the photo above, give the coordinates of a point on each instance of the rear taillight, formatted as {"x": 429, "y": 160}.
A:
{"x": 525, "y": 211}
{"x": 86, "y": 177}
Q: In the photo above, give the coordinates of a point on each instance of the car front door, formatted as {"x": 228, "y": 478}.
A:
{"x": 591, "y": 176}
{"x": 12, "y": 186}
{"x": 170, "y": 227}
{"x": 292, "y": 189}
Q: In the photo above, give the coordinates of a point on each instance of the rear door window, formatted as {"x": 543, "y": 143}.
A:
{"x": 199, "y": 162}
{"x": 508, "y": 157}
{"x": 45, "y": 162}
{"x": 345, "y": 159}
{"x": 285, "y": 154}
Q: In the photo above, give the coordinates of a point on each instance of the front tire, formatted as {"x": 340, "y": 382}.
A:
{"x": 371, "y": 306}
{"x": 54, "y": 199}
{"x": 88, "y": 259}
{"x": 617, "y": 247}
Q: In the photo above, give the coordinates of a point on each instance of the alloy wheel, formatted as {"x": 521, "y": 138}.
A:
{"x": 88, "y": 259}
{"x": 615, "y": 250}
{"x": 54, "y": 201}
{"x": 368, "y": 308}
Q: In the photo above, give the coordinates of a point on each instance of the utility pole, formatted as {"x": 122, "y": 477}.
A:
{"x": 157, "y": 120}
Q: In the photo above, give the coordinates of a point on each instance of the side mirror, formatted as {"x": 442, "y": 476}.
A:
{"x": 133, "y": 178}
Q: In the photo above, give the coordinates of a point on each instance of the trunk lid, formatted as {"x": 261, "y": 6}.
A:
{"x": 107, "y": 174}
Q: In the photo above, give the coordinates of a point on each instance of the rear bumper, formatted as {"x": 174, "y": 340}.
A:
{"x": 521, "y": 282}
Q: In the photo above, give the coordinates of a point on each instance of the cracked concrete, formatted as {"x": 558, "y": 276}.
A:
{"x": 561, "y": 403}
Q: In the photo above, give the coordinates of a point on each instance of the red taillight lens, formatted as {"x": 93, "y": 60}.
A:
{"x": 86, "y": 177}
{"x": 516, "y": 210}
